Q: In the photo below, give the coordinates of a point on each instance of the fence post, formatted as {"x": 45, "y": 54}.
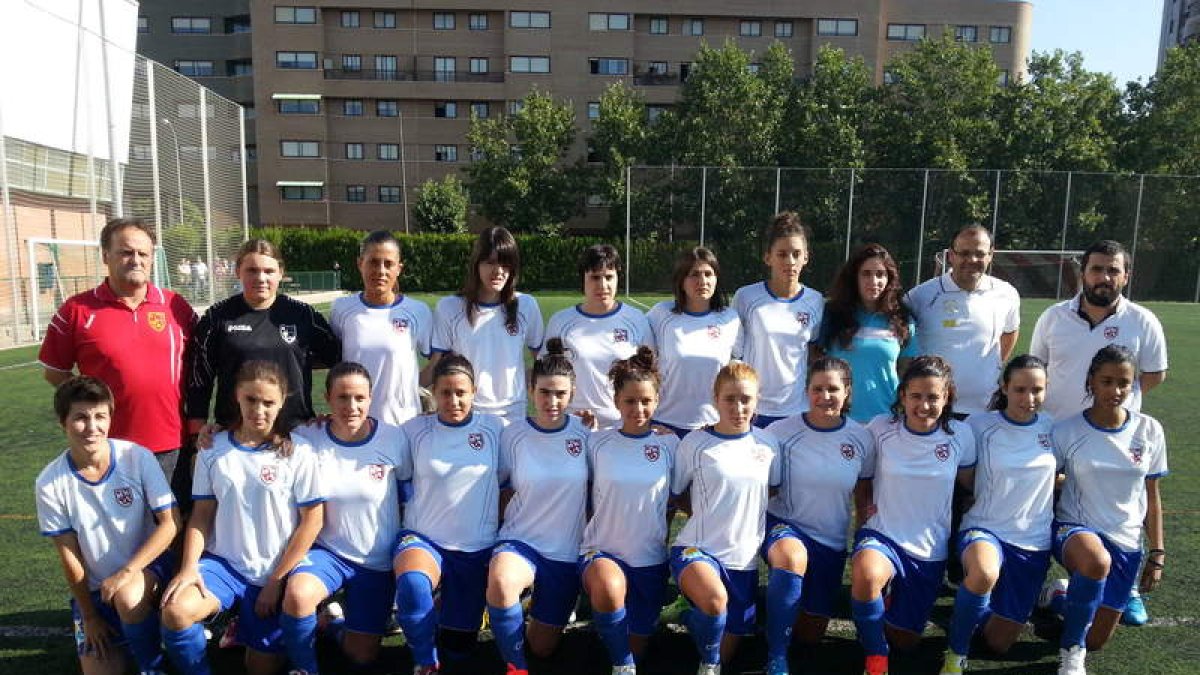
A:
{"x": 1062, "y": 243}
{"x": 996, "y": 207}
{"x": 114, "y": 166}
{"x": 849, "y": 214}
{"x": 8, "y": 217}
{"x": 245, "y": 188}
{"x": 778, "y": 171}
{"x": 156, "y": 185}
{"x": 628, "y": 228}
{"x": 921, "y": 236}
{"x": 208, "y": 223}
{"x": 703, "y": 199}
{"x": 1137, "y": 222}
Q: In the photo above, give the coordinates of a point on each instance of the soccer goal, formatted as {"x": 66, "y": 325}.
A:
{"x": 58, "y": 269}
{"x": 1034, "y": 273}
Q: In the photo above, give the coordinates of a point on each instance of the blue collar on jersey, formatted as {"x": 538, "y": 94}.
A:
{"x": 470, "y": 416}
{"x": 354, "y": 444}
{"x": 797, "y": 296}
{"x": 1088, "y": 419}
{"x": 112, "y": 462}
{"x": 363, "y": 299}
{"x": 914, "y": 432}
{"x": 729, "y": 437}
{"x": 804, "y": 417}
{"x": 645, "y": 435}
{"x": 544, "y": 430}
{"x": 1016, "y": 423}
{"x": 579, "y": 308}
{"x": 245, "y": 448}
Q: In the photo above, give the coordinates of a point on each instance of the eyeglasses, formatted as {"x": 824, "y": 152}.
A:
{"x": 979, "y": 255}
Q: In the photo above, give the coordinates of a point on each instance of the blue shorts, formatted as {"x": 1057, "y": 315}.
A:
{"x": 1122, "y": 574}
{"x": 678, "y": 431}
{"x": 463, "y": 589}
{"x": 1021, "y": 574}
{"x": 740, "y": 585}
{"x": 914, "y": 586}
{"x": 231, "y": 589}
{"x": 163, "y": 568}
{"x": 822, "y": 578}
{"x": 763, "y": 421}
{"x": 368, "y": 593}
{"x": 645, "y": 589}
{"x": 555, "y": 583}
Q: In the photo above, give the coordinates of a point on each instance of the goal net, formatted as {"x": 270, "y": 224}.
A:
{"x": 58, "y": 269}
{"x": 1035, "y": 274}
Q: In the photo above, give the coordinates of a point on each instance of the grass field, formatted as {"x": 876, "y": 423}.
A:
{"x": 33, "y": 618}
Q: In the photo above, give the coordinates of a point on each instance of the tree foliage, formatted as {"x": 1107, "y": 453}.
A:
{"x": 441, "y": 206}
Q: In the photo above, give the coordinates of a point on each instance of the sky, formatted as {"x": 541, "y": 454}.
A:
{"x": 1115, "y": 36}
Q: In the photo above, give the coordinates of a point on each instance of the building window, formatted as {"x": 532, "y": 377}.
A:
{"x": 445, "y": 153}
{"x": 352, "y": 107}
{"x": 685, "y": 70}
{"x": 600, "y": 21}
{"x": 295, "y": 15}
{"x": 754, "y": 68}
{"x": 299, "y": 106}
{"x": 356, "y": 193}
{"x": 593, "y": 112}
{"x": 750, "y": 28}
{"x": 387, "y": 108}
{"x": 889, "y": 77}
{"x": 443, "y": 20}
{"x": 659, "y": 25}
{"x": 389, "y": 194}
{"x": 693, "y": 27}
{"x": 143, "y": 24}
{"x": 907, "y": 32}
{"x": 477, "y": 21}
{"x": 354, "y": 151}
{"x": 444, "y": 68}
{"x": 239, "y": 68}
{"x": 966, "y": 33}
{"x": 300, "y": 148}
{"x": 837, "y": 27}
{"x": 515, "y": 107}
{"x": 352, "y": 62}
{"x": 389, "y": 152}
{"x": 1000, "y": 35}
{"x": 480, "y": 109}
{"x": 654, "y": 111}
{"x": 1002, "y": 79}
{"x": 529, "y": 64}
{"x": 191, "y": 24}
{"x": 194, "y": 68}
{"x": 785, "y": 29}
{"x": 301, "y": 193}
{"x": 529, "y": 19}
{"x": 385, "y": 67}
{"x": 351, "y": 19}
{"x": 608, "y": 66}
{"x": 237, "y": 24}
{"x": 296, "y": 60}
{"x": 479, "y": 65}
{"x": 446, "y": 109}
{"x": 657, "y": 68}
{"x": 385, "y": 20}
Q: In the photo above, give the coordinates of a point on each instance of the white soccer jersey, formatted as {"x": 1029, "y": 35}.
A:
{"x": 1066, "y": 342}
{"x": 111, "y": 517}
{"x": 914, "y": 482}
{"x": 496, "y": 353}
{"x": 548, "y": 473}
{"x": 819, "y": 469}
{"x": 386, "y": 339}
{"x": 691, "y": 349}
{"x": 778, "y": 332}
{"x": 1106, "y": 474}
{"x": 594, "y": 342}
{"x": 729, "y": 478}
{"x": 454, "y": 473}
{"x": 258, "y": 497}
{"x": 362, "y": 495}
{"x": 964, "y": 327}
{"x": 1014, "y": 479}
{"x": 631, "y": 483}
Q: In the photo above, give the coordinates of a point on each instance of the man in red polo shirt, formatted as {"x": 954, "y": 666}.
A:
{"x": 130, "y": 334}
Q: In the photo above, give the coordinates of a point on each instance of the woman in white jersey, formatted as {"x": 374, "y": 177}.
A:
{"x": 357, "y": 455}
{"x": 258, "y": 506}
{"x": 597, "y": 332}
{"x": 1112, "y": 458}
{"x": 921, "y": 451}
{"x": 491, "y": 324}
{"x": 1004, "y": 540}
{"x": 544, "y": 472}
{"x": 696, "y": 333}
{"x": 451, "y": 458}
{"x": 780, "y": 318}
{"x": 825, "y": 457}
{"x": 384, "y": 330}
{"x": 623, "y": 560}
{"x": 724, "y": 472}
{"x": 111, "y": 515}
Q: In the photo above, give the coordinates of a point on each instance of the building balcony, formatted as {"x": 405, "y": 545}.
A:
{"x": 656, "y": 79}
{"x": 412, "y": 76}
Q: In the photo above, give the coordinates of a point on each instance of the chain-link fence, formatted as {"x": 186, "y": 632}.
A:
{"x": 1037, "y": 218}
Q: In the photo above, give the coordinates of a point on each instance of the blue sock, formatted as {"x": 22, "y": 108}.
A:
{"x": 783, "y": 604}
{"x": 707, "y": 632}
{"x": 416, "y": 615}
{"x": 1058, "y": 605}
{"x": 969, "y": 609}
{"x": 614, "y": 633}
{"x": 508, "y": 628}
{"x": 868, "y": 619}
{"x": 145, "y": 641}
{"x": 299, "y": 639}
{"x": 186, "y": 648}
{"x": 1083, "y": 597}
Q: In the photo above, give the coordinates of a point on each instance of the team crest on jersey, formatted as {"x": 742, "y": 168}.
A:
{"x": 512, "y": 330}
{"x": 1044, "y": 440}
{"x": 652, "y": 452}
{"x": 942, "y": 451}
{"x": 475, "y": 441}
{"x": 288, "y": 332}
{"x": 376, "y": 471}
{"x": 268, "y": 474}
{"x": 400, "y": 325}
{"x": 620, "y": 335}
{"x": 124, "y": 496}
{"x": 574, "y": 447}
{"x": 714, "y": 332}
{"x": 157, "y": 320}
{"x": 1111, "y": 333}
{"x": 1135, "y": 453}
{"x": 803, "y": 318}
{"x": 847, "y": 451}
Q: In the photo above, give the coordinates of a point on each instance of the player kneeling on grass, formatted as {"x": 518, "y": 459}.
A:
{"x": 1112, "y": 458}
{"x": 258, "y": 507}
{"x": 111, "y": 514}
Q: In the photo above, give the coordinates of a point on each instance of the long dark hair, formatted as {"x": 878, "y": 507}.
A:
{"x": 1023, "y": 362}
{"x": 265, "y": 371}
{"x": 842, "y": 301}
{"x": 928, "y": 366}
{"x": 683, "y": 267}
{"x": 498, "y": 243}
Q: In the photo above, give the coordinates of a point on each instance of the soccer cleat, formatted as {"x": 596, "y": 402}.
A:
{"x": 1135, "y": 612}
{"x": 1052, "y": 589}
{"x": 709, "y": 669}
{"x": 624, "y": 670}
{"x": 777, "y": 666}
{"x": 425, "y": 670}
{"x": 510, "y": 669}
{"x": 953, "y": 664}
{"x": 1070, "y": 661}
{"x": 876, "y": 665}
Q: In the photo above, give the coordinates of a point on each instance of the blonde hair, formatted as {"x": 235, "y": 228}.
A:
{"x": 734, "y": 371}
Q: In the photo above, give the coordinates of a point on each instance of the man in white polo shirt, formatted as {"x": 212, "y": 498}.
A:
{"x": 1068, "y": 334}
{"x": 969, "y": 318}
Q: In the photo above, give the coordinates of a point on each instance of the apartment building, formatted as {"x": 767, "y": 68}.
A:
{"x": 1180, "y": 24}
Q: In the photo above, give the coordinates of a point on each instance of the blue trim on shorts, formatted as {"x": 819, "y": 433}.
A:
{"x": 1022, "y": 572}
{"x": 645, "y": 590}
{"x": 914, "y": 586}
{"x": 741, "y": 586}
{"x": 1122, "y": 573}
{"x": 368, "y": 592}
{"x": 555, "y": 583}
{"x": 822, "y": 577}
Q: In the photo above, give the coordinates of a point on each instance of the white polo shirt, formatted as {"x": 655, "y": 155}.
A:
{"x": 1067, "y": 342}
{"x": 964, "y": 327}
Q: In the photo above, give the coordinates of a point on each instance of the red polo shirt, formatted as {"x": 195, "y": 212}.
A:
{"x": 138, "y": 353}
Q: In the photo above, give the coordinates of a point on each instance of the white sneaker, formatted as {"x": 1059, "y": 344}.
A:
{"x": 709, "y": 669}
{"x": 1051, "y": 589}
{"x": 624, "y": 670}
{"x": 1070, "y": 661}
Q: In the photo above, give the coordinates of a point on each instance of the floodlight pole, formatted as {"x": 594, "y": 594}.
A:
{"x": 703, "y": 199}
{"x": 628, "y": 227}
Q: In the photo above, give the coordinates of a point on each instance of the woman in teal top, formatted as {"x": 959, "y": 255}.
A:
{"x": 867, "y": 325}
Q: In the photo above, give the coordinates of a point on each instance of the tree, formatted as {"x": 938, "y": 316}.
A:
{"x": 441, "y": 206}
{"x": 620, "y": 139}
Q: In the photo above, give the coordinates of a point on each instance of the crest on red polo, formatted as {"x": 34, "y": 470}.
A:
{"x": 714, "y": 332}
{"x": 400, "y": 325}
{"x": 847, "y": 451}
{"x": 1111, "y": 332}
{"x": 652, "y": 452}
{"x": 376, "y": 471}
{"x": 124, "y": 496}
{"x": 942, "y": 451}
{"x": 803, "y": 318}
{"x": 1135, "y": 453}
{"x": 268, "y": 474}
{"x": 620, "y": 335}
{"x": 475, "y": 441}
{"x": 574, "y": 447}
